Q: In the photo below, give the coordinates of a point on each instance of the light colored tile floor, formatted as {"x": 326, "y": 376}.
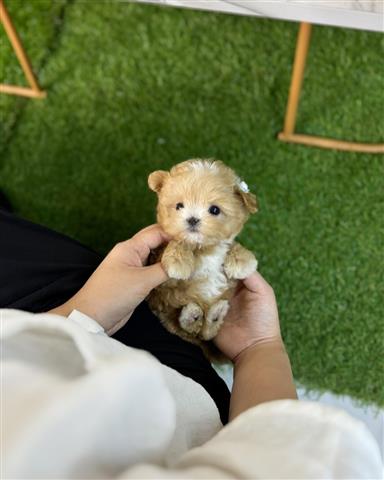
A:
{"x": 371, "y": 415}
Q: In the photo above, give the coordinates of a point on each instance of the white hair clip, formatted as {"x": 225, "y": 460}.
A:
{"x": 243, "y": 186}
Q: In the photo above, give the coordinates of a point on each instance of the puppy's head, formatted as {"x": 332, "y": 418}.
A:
{"x": 201, "y": 202}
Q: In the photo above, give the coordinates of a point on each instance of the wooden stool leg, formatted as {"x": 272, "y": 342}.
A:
{"x": 22, "y": 57}
{"x": 302, "y": 47}
{"x": 288, "y": 134}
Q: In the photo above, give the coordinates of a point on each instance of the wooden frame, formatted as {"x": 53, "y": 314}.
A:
{"x": 34, "y": 90}
{"x": 288, "y": 134}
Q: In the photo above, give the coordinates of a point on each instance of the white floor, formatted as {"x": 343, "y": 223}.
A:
{"x": 372, "y": 416}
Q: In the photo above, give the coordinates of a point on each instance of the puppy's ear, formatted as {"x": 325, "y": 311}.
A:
{"x": 248, "y": 198}
{"x": 156, "y": 180}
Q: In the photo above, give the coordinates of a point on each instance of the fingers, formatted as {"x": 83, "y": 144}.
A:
{"x": 146, "y": 240}
{"x": 256, "y": 283}
{"x": 152, "y": 276}
{"x": 152, "y": 236}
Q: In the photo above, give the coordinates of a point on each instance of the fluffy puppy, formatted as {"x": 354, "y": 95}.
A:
{"x": 202, "y": 206}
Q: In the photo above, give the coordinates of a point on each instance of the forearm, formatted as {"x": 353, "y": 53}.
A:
{"x": 261, "y": 374}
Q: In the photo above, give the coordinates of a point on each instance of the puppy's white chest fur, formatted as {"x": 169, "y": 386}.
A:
{"x": 209, "y": 272}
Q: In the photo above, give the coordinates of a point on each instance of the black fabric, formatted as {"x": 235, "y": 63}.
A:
{"x": 5, "y": 204}
{"x": 41, "y": 269}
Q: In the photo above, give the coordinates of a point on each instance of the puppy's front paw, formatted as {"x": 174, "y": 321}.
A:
{"x": 176, "y": 268}
{"x": 240, "y": 263}
{"x": 214, "y": 320}
{"x": 191, "y": 318}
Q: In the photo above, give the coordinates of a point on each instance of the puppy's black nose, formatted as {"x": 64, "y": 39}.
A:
{"x": 193, "y": 221}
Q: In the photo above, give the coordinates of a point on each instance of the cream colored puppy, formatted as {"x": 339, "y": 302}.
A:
{"x": 202, "y": 206}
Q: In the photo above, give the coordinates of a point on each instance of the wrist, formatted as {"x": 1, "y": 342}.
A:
{"x": 63, "y": 310}
{"x": 73, "y": 304}
{"x": 262, "y": 373}
{"x": 69, "y": 306}
{"x": 270, "y": 346}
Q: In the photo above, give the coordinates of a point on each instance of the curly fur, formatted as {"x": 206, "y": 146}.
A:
{"x": 202, "y": 260}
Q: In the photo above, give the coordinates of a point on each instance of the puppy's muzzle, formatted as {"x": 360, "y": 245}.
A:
{"x": 193, "y": 223}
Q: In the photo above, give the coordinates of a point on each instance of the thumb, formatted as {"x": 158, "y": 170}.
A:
{"x": 152, "y": 276}
{"x": 257, "y": 284}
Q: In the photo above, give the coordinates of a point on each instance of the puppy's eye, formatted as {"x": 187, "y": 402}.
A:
{"x": 179, "y": 205}
{"x": 214, "y": 210}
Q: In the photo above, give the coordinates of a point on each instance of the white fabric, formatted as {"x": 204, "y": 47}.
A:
{"x": 78, "y": 404}
{"x": 361, "y": 14}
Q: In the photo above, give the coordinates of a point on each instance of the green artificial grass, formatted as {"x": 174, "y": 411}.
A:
{"x": 133, "y": 88}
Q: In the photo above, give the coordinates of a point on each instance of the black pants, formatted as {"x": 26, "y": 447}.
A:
{"x": 41, "y": 269}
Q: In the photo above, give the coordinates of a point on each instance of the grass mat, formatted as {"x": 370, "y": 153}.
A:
{"x": 133, "y": 88}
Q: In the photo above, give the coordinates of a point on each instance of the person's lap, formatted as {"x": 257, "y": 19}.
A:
{"x": 41, "y": 269}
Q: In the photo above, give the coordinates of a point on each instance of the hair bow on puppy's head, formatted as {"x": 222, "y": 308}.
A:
{"x": 247, "y": 197}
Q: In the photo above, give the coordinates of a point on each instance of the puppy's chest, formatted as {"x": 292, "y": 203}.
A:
{"x": 209, "y": 277}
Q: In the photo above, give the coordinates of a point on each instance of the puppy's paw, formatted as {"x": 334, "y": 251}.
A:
{"x": 214, "y": 320}
{"x": 240, "y": 263}
{"x": 176, "y": 268}
{"x": 191, "y": 318}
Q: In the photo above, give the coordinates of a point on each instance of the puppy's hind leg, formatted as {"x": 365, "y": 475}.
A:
{"x": 214, "y": 320}
{"x": 191, "y": 318}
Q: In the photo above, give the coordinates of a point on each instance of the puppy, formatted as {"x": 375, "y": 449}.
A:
{"x": 202, "y": 206}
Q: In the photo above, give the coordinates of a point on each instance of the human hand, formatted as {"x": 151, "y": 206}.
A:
{"x": 120, "y": 282}
{"x": 252, "y": 319}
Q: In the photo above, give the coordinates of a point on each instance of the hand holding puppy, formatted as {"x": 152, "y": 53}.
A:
{"x": 120, "y": 282}
{"x": 252, "y": 319}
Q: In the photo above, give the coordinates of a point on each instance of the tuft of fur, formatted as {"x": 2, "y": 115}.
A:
{"x": 202, "y": 260}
